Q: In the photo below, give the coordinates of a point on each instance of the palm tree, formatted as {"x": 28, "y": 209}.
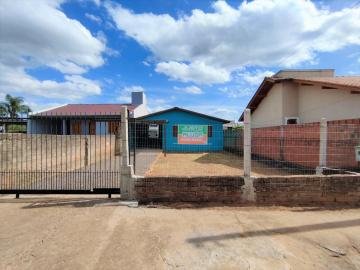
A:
{"x": 13, "y": 106}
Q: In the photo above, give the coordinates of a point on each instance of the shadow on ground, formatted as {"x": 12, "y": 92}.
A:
{"x": 224, "y": 158}
{"x": 200, "y": 241}
{"x": 72, "y": 203}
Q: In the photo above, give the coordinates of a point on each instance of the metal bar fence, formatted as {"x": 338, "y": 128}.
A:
{"x": 61, "y": 154}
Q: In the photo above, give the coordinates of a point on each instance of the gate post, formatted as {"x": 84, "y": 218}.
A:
{"x": 126, "y": 181}
{"x": 248, "y": 189}
{"x": 323, "y": 146}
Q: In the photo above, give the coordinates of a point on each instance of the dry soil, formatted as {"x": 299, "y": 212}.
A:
{"x": 95, "y": 233}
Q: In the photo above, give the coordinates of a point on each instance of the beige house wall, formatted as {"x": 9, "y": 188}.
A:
{"x": 290, "y": 100}
{"x": 333, "y": 104}
{"x": 309, "y": 103}
{"x": 270, "y": 110}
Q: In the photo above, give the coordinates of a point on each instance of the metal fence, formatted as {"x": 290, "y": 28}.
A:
{"x": 80, "y": 154}
{"x": 73, "y": 154}
{"x": 147, "y": 142}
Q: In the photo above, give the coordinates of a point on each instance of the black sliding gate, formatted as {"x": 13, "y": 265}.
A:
{"x": 64, "y": 155}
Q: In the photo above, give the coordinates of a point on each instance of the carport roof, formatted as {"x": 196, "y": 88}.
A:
{"x": 187, "y": 111}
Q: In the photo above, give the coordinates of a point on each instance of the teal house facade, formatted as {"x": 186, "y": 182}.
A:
{"x": 188, "y": 131}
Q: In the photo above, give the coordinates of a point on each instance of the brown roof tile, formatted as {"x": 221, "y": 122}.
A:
{"x": 347, "y": 81}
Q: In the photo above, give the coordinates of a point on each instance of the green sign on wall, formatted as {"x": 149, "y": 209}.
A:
{"x": 192, "y": 134}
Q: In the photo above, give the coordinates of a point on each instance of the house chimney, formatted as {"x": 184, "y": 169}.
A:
{"x": 137, "y": 98}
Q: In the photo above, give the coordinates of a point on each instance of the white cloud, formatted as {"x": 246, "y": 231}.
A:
{"x": 236, "y": 91}
{"x": 125, "y": 93}
{"x": 45, "y": 36}
{"x": 228, "y": 112}
{"x": 94, "y": 18}
{"x": 124, "y": 98}
{"x": 190, "y": 89}
{"x": 255, "y": 78}
{"x": 73, "y": 87}
{"x": 37, "y": 107}
{"x": 196, "y": 72}
{"x": 134, "y": 88}
{"x": 229, "y": 38}
{"x": 158, "y": 104}
{"x": 97, "y": 2}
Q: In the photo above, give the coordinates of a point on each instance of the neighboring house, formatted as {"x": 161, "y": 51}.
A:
{"x": 85, "y": 119}
{"x": 187, "y": 131}
{"x": 304, "y": 96}
{"x": 232, "y": 125}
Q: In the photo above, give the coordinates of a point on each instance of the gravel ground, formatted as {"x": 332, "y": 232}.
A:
{"x": 95, "y": 233}
{"x": 213, "y": 163}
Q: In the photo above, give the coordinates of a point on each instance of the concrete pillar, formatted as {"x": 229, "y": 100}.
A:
{"x": 124, "y": 136}
{"x": 323, "y": 146}
{"x": 247, "y": 143}
{"x": 248, "y": 188}
{"x": 127, "y": 180}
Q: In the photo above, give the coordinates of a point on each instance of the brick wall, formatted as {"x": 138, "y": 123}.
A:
{"x": 226, "y": 189}
{"x": 335, "y": 190}
{"x": 308, "y": 190}
{"x": 299, "y": 144}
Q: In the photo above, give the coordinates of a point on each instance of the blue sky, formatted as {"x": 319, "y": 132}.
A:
{"x": 208, "y": 56}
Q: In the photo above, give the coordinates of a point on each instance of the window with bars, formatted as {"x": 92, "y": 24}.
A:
{"x": 175, "y": 131}
{"x": 210, "y": 131}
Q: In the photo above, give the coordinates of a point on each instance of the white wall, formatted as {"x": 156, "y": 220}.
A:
{"x": 309, "y": 103}
{"x": 141, "y": 109}
{"x": 270, "y": 110}
{"x": 334, "y": 104}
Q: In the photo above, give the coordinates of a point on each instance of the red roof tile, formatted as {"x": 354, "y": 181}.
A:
{"x": 86, "y": 110}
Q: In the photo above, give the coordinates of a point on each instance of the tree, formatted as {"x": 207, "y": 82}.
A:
{"x": 13, "y": 106}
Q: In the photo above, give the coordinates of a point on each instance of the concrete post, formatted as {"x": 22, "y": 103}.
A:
{"x": 124, "y": 137}
{"x": 248, "y": 189}
{"x": 127, "y": 182}
{"x": 323, "y": 146}
{"x": 247, "y": 143}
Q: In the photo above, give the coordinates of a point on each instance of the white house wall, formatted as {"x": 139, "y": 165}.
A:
{"x": 334, "y": 104}
{"x": 270, "y": 110}
{"x": 141, "y": 110}
{"x": 309, "y": 103}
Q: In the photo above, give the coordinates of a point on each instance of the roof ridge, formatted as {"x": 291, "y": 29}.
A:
{"x": 99, "y": 104}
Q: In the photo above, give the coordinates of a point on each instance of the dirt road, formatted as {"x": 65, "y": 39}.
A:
{"x": 87, "y": 233}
